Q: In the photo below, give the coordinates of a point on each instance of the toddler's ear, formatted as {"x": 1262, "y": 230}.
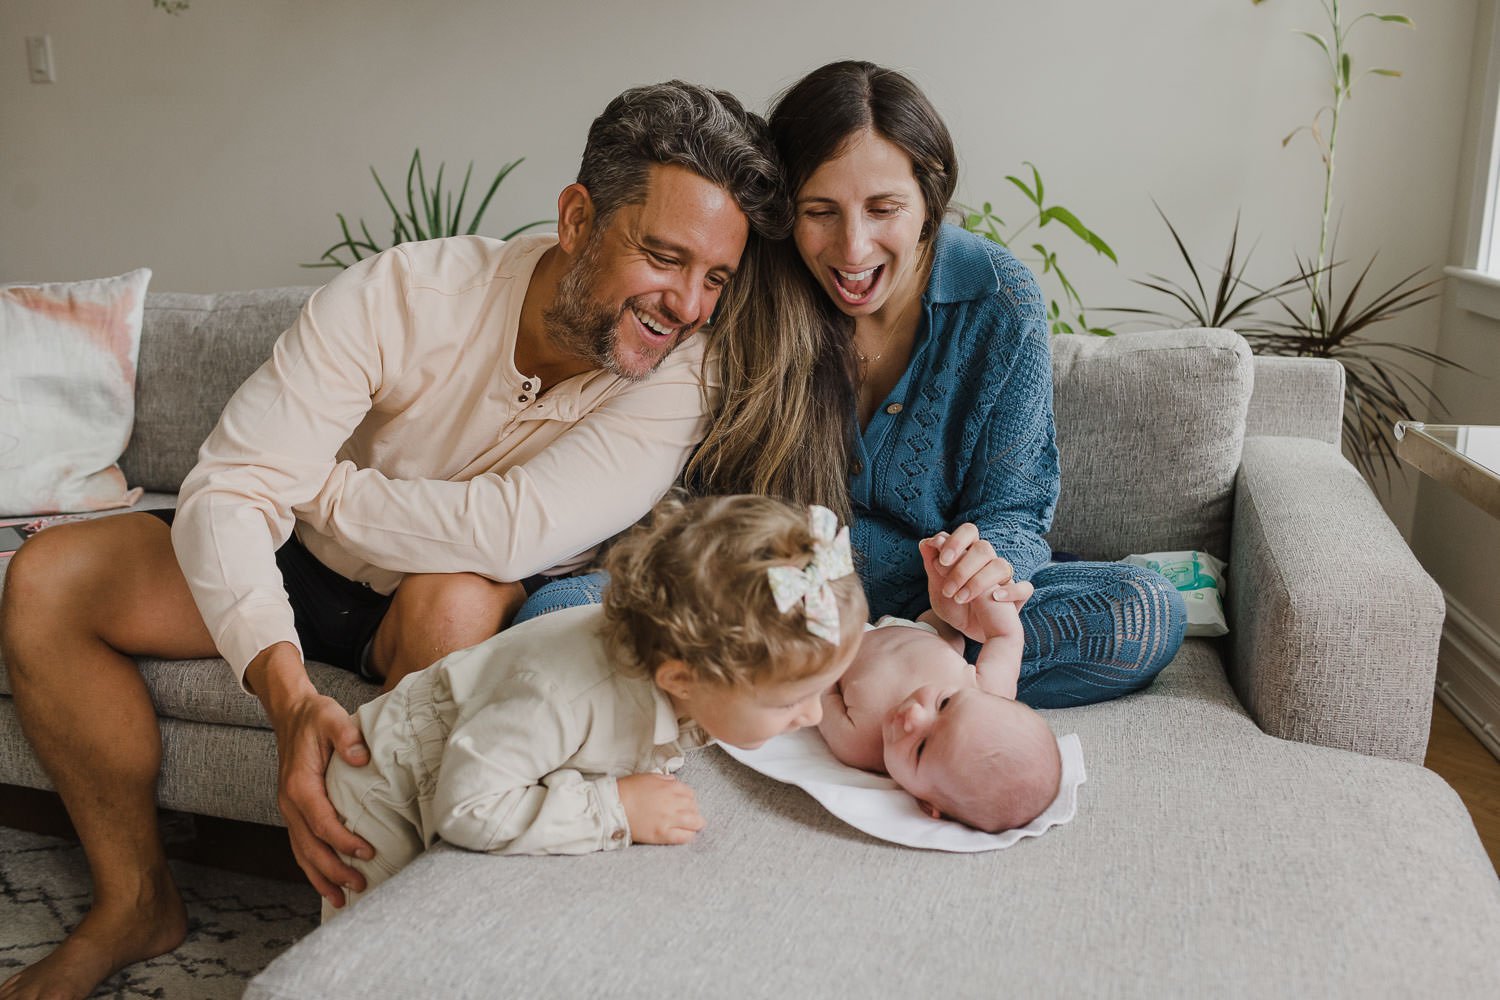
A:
{"x": 929, "y": 809}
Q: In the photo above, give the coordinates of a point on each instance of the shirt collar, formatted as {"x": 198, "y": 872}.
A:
{"x": 962, "y": 269}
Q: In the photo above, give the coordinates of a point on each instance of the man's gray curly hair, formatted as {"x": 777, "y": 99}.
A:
{"x": 707, "y": 131}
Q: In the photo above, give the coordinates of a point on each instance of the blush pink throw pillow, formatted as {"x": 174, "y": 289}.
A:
{"x": 67, "y": 392}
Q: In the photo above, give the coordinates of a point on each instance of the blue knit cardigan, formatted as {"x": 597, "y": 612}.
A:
{"x": 967, "y": 433}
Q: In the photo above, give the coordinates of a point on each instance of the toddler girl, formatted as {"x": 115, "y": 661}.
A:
{"x": 726, "y": 618}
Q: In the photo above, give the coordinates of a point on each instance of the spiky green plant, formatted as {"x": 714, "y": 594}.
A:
{"x": 1235, "y": 302}
{"x": 430, "y": 213}
{"x": 1379, "y": 388}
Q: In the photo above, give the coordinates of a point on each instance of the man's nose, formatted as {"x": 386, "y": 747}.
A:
{"x": 684, "y": 303}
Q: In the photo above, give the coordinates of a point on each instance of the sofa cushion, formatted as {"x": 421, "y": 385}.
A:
{"x": 67, "y": 392}
{"x": 195, "y": 352}
{"x": 1207, "y": 859}
{"x": 205, "y": 690}
{"x": 1149, "y": 429}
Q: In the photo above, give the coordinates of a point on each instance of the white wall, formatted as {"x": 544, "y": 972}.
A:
{"x": 1456, "y": 541}
{"x": 216, "y": 146}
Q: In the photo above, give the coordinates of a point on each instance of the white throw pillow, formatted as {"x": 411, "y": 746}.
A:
{"x": 67, "y": 392}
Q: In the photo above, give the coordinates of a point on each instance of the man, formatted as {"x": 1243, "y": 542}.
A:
{"x": 443, "y": 422}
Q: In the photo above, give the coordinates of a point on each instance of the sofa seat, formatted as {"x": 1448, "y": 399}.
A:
{"x": 1206, "y": 859}
{"x": 213, "y": 730}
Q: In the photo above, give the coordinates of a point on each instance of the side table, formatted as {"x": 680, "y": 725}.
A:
{"x": 1465, "y": 457}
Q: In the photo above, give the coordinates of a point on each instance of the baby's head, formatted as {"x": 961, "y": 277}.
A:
{"x": 969, "y": 755}
{"x": 690, "y": 603}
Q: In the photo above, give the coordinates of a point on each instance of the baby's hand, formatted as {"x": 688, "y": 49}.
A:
{"x": 659, "y": 808}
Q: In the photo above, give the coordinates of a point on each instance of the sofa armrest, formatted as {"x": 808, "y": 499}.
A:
{"x": 1297, "y": 397}
{"x": 1334, "y": 625}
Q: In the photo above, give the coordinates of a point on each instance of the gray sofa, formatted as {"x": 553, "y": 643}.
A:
{"x": 1256, "y": 823}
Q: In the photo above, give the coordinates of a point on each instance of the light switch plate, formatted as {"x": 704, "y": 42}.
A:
{"x": 39, "y": 58}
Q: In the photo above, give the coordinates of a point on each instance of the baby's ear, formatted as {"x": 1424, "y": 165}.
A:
{"x": 929, "y": 809}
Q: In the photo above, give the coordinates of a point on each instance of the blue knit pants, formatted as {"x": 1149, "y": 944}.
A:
{"x": 1094, "y": 631}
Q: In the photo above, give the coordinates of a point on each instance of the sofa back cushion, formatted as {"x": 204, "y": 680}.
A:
{"x": 1149, "y": 430}
{"x": 195, "y": 351}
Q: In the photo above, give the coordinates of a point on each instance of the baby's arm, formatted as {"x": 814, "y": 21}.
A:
{"x": 845, "y": 739}
{"x": 999, "y": 661}
{"x": 502, "y": 787}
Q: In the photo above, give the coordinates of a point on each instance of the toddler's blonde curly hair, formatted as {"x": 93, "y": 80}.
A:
{"x": 691, "y": 584}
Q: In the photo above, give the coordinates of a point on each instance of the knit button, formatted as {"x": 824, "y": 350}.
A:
{"x": 893, "y": 409}
{"x": 617, "y": 835}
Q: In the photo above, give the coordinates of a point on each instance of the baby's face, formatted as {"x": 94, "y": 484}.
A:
{"x": 895, "y": 661}
{"x": 933, "y": 734}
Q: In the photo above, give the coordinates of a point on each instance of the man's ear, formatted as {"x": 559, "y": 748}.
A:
{"x": 929, "y": 809}
{"x": 575, "y": 218}
{"x": 674, "y": 677}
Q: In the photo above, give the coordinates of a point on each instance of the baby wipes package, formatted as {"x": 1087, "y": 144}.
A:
{"x": 1199, "y": 577}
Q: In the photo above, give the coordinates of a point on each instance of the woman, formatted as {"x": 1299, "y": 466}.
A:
{"x": 897, "y": 368}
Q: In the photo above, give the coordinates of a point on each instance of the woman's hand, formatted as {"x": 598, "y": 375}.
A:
{"x": 961, "y": 566}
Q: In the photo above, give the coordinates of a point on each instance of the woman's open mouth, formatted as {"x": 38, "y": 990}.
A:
{"x": 857, "y": 287}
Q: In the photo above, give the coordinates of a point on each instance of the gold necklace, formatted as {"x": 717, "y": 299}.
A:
{"x": 865, "y": 359}
{"x": 890, "y": 334}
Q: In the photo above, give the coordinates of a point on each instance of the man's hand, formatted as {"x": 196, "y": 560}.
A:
{"x": 309, "y": 728}
{"x": 967, "y": 583}
{"x": 660, "y": 809}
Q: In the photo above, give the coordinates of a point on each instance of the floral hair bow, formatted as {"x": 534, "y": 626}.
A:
{"x": 831, "y": 561}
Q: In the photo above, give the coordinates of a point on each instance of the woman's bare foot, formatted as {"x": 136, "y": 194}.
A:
{"x": 108, "y": 938}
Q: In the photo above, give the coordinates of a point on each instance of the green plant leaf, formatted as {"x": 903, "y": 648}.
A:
{"x": 530, "y": 225}
{"x": 494, "y": 186}
{"x": 1384, "y": 72}
{"x": 1036, "y": 176}
{"x": 1030, "y": 195}
{"x": 1345, "y": 65}
{"x": 1322, "y": 44}
{"x": 1394, "y": 18}
{"x": 1083, "y": 232}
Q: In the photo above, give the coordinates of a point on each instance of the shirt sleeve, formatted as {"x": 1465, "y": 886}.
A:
{"x": 591, "y": 483}
{"x": 1010, "y": 491}
{"x": 274, "y": 447}
{"x": 503, "y": 788}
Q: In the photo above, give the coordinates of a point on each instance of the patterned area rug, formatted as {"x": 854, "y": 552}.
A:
{"x": 236, "y": 923}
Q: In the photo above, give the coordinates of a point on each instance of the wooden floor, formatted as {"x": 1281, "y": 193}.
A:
{"x": 1454, "y": 753}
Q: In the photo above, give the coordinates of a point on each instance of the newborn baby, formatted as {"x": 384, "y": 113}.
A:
{"x": 949, "y": 732}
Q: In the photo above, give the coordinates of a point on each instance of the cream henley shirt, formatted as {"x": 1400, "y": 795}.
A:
{"x": 391, "y": 430}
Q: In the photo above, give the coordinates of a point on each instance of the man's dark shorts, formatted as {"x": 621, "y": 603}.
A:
{"x": 335, "y": 617}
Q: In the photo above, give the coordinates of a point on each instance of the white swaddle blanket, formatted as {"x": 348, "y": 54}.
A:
{"x": 878, "y": 806}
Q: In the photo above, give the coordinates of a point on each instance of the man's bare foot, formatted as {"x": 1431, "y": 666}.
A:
{"x": 104, "y": 942}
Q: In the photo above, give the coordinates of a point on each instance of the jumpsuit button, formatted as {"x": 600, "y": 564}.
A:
{"x": 523, "y": 397}
{"x": 893, "y": 409}
{"x": 617, "y": 835}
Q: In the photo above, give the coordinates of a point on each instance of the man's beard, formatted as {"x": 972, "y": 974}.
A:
{"x": 577, "y": 323}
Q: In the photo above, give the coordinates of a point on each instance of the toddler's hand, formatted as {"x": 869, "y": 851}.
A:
{"x": 660, "y": 809}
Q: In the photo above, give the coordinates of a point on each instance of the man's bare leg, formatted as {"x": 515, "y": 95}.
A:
{"x": 76, "y": 596}
{"x": 434, "y": 614}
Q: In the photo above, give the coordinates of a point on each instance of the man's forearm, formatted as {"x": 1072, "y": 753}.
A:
{"x": 278, "y": 677}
